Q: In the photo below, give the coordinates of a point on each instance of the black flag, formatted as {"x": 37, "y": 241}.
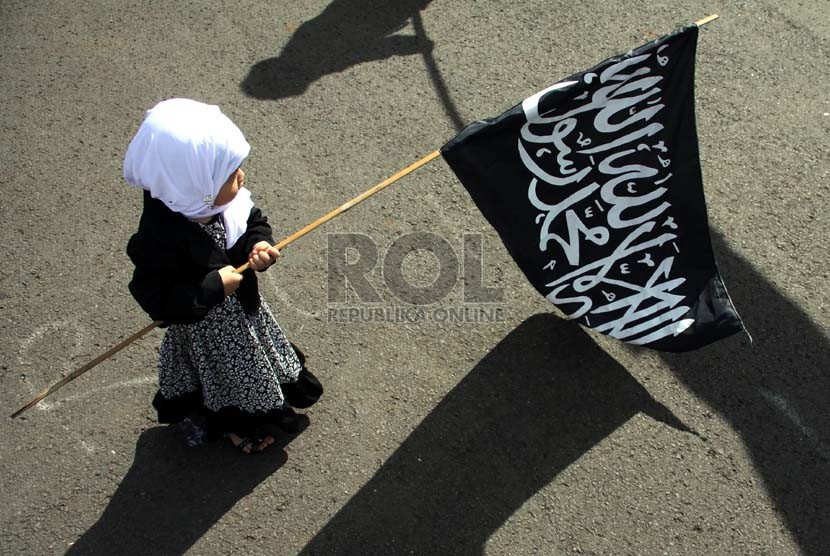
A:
{"x": 594, "y": 186}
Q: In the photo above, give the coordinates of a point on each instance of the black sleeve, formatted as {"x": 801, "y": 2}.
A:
{"x": 167, "y": 294}
{"x": 258, "y": 230}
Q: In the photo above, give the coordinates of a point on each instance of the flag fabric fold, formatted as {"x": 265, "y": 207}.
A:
{"x": 594, "y": 186}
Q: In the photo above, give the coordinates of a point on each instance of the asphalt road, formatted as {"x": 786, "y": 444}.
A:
{"x": 520, "y": 434}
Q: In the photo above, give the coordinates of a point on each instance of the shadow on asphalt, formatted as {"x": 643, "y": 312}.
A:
{"x": 173, "y": 494}
{"x": 438, "y": 83}
{"x": 774, "y": 394}
{"x": 346, "y": 33}
{"x": 542, "y": 398}
{"x": 546, "y": 394}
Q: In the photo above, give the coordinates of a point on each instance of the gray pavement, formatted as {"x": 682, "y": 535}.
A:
{"x": 523, "y": 434}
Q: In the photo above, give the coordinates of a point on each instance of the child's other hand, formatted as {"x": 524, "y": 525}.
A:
{"x": 230, "y": 279}
{"x": 262, "y": 256}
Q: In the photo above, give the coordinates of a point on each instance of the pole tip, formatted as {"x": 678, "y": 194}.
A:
{"x": 706, "y": 20}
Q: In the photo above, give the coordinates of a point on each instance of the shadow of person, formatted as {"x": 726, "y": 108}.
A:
{"x": 346, "y": 33}
{"x": 543, "y": 397}
{"x": 774, "y": 394}
{"x": 173, "y": 494}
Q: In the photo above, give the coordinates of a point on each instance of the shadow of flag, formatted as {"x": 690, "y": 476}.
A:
{"x": 594, "y": 186}
{"x": 540, "y": 400}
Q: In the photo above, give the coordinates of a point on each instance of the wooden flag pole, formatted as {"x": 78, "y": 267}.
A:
{"x": 319, "y": 222}
{"x": 81, "y": 370}
{"x": 346, "y": 206}
{"x": 706, "y": 20}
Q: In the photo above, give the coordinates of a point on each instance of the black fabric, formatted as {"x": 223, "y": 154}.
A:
{"x": 307, "y": 390}
{"x": 178, "y": 409}
{"x": 217, "y": 423}
{"x": 176, "y": 278}
{"x": 301, "y": 394}
{"x": 595, "y": 189}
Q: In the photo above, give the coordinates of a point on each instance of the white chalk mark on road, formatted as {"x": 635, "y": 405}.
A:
{"x": 46, "y": 405}
{"x": 781, "y": 404}
{"x": 285, "y": 301}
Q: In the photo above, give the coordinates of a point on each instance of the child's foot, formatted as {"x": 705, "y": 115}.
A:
{"x": 265, "y": 441}
{"x": 248, "y": 445}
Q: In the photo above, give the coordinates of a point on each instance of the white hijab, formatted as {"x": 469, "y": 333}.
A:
{"x": 182, "y": 154}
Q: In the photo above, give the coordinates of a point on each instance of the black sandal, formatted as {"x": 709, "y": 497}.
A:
{"x": 244, "y": 444}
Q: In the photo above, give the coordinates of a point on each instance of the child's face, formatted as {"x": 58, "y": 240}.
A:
{"x": 230, "y": 188}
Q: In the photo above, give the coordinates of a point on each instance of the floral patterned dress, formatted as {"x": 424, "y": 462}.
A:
{"x": 235, "y": 360}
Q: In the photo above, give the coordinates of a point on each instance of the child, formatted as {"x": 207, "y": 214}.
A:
{"x": 224, "y": 362}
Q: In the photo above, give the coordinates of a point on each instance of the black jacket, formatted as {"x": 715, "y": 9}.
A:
{"x": 176, "y": 277}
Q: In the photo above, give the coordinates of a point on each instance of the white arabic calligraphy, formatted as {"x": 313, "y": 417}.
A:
{"x": 619, "y": 273}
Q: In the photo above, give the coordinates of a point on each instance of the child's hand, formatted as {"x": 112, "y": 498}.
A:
{"x": 230, "y": 279}
{"x": 262, "y": 256}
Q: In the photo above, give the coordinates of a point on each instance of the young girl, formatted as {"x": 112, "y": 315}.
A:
{"x": 224, "y": 362}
